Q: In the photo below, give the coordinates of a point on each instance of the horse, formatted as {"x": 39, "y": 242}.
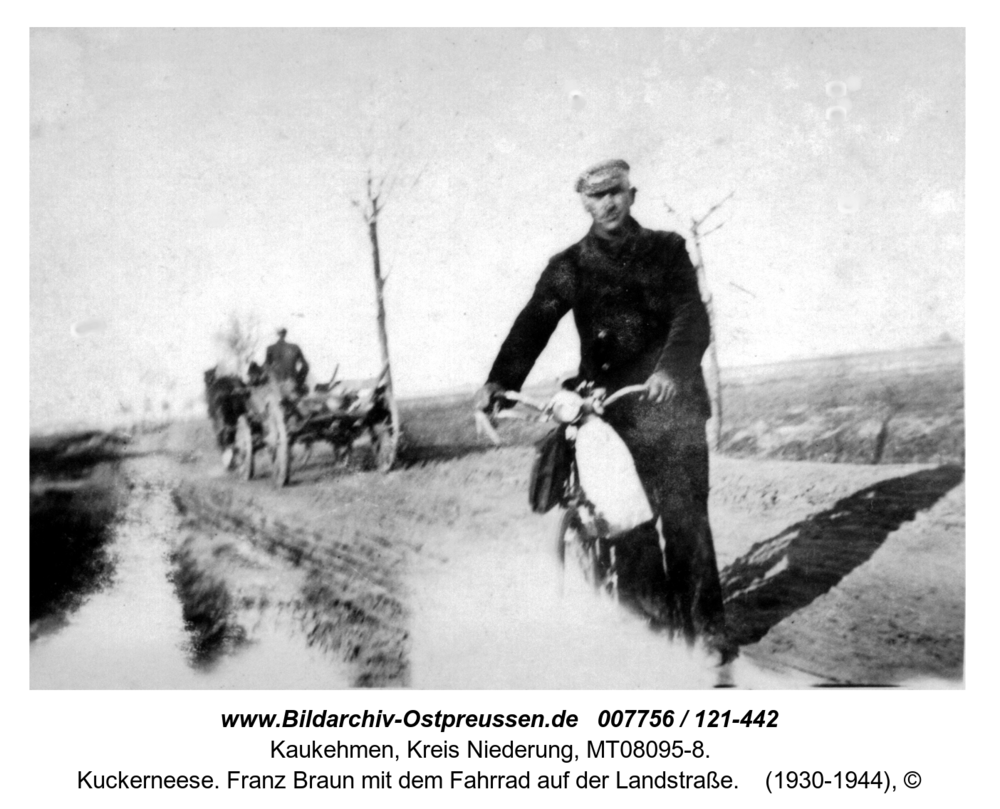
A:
{"x": 226, "y": 396}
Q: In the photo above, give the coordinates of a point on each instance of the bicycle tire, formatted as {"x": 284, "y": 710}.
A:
{"x": 576, "y": 540}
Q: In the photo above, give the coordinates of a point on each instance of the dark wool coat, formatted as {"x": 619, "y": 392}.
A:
{"x": 286, "y": 361}
{"x": 638, "y": 309}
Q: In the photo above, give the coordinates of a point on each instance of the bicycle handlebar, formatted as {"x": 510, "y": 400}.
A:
{"x": 595, "y": 399}
{"x": 621, "y": 392}
{"x": 594, "y": 402}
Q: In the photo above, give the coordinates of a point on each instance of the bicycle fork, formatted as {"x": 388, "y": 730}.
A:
{"x": 609, "y": 578}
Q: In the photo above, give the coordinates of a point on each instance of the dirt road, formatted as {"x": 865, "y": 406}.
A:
{"x": 438, "y": 576}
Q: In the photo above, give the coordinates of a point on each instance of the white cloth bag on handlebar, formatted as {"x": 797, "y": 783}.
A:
{"x": 608, "y": 476}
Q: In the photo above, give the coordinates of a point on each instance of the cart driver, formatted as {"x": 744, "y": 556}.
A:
{"x": 286, "y": 364}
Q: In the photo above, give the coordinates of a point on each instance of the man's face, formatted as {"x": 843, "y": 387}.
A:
{"x": 609, "y": 208}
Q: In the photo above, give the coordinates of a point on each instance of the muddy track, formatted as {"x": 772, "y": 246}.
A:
{"x": 437, "y": 575}
{"x": 349, "y": 599}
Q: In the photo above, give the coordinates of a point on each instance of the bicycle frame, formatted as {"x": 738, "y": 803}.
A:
{"x": 582, "y": 526}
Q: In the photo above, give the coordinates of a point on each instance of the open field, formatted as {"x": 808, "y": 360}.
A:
{"x": 889, "y": 407}
{"x": 893, "y": 407}
{"x": 438, "y": 575}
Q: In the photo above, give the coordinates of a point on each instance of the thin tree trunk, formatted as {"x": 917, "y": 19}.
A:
{"x": 714, "y": 376}
{"x": 383, "y": 335}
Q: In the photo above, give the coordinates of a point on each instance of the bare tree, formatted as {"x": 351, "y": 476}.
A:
{"x": 375, "y": 196}
{"x": 377, "y": 192}
{"x": 239, "y": 338}
{"x": 699, "y": 233}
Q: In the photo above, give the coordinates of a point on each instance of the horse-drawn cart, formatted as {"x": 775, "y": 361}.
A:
{"x": 275, "y": 418}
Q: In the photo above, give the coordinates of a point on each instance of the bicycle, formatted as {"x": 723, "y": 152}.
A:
{"x": 598, "y": 488}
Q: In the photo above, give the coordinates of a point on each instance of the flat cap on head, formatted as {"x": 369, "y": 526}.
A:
{"x": 282, "y": 331}
{"x": 603, "y": 176}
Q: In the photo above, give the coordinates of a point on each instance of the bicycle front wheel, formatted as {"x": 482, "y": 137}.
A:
{"x": 579, "y": 547}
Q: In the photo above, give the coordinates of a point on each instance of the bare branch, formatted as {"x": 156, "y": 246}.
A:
{"x": 420, "y": 174}
{"x": 703, "y": 235}
{"x": 391, "y": 185}
{"x": 742, "y": 289}
{"x": 363, "y": 209}
{"x": 714, "y": 208}
{"x": 393, "y": 180}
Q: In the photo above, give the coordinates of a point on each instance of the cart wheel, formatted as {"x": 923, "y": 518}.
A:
{"x": 281, "y": 448}
{"x": 305, "y": 455}
{"x": 243, "y": 447}
{"x": 341, "y": 453}
{"x": 385, "y": 442}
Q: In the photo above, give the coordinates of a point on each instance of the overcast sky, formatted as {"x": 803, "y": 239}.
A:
{"x": 180, "y": 176}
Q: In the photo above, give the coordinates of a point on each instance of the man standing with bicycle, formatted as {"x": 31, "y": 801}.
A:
{"x": 640, "y": 318}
